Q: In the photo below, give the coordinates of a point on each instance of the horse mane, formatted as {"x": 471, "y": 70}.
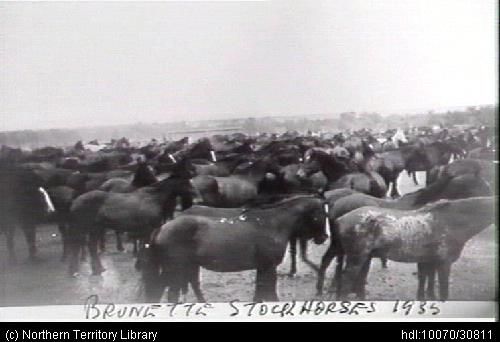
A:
{"x": 425, "y": 195}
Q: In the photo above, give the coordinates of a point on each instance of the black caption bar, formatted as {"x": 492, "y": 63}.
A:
{"x": 398, "y": 331}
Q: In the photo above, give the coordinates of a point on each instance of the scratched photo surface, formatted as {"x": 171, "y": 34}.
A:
{"x": 235, "y": 151}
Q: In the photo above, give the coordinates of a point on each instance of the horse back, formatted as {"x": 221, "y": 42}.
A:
{"x": 215, "y": 244}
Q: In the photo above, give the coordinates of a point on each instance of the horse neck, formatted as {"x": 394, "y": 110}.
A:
{"x": 286, "y": 219}
{"x": 466, "y": 217}
{"x": 330, "y": 168}
{"x": 423, "y": 196}
{"x": 407, "y": 201}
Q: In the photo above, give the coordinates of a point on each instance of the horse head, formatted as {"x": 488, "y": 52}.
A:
{"x": 316, "y": 160}
{"x": 144, "y": 176}
{"x": 183, "y": 168}
{"x": 415, "y": 158}
{"x": 316, "y": 221}
{"x": 202, "y": 149}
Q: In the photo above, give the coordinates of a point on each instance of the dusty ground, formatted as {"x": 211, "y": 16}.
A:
{"x": 46, "y": 282}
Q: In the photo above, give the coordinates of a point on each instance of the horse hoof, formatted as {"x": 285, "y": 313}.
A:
{"x": 75, "y": 275}
{"x": 99, "y": 271}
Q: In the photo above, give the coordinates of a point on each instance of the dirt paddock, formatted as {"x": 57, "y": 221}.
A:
{"x": 473, "y": 276}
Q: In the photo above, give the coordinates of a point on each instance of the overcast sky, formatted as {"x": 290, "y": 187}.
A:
{"x": 81, "y": 64}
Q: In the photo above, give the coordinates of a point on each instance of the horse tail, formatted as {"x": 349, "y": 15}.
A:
{"x": 339, "y": 252}
{"x": 149, "y": 264}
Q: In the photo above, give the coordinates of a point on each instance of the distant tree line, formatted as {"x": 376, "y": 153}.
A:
{"x": 475, "y": 116}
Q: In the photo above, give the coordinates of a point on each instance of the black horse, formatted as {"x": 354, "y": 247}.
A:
{"x": 342, "y": 173}
{"x": 24, "y": 203}
{"x": 201, "y": 149}
{"x": 143, "y": 176}
{"x": 138, "y": 212}
{"x": 255, "y": 239}
{"x": 463, "y": 186}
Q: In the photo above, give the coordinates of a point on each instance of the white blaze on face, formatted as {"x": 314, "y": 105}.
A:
{"x": 301, "y": 173}
{"x": 327, "y": 221}
{"x": 172, "y": 158}
{"x": 214, "y": 158}
{"x": 48, "y": 201}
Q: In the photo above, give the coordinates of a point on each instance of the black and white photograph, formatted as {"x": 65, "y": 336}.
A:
{"x": 248, "y": 151}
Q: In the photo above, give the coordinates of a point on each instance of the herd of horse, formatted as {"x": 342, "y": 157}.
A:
{"x": 236, "y": 202}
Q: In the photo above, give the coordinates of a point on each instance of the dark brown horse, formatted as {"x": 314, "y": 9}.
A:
{"x": 478, "y": 167}
{"x": 433, "y": 237}
{"x": 340, "y": 174}
{"x": 447, "y": 188}
{"x": 143, "y": 176}
{"x": 138, "y": 212}
{"x": 390, "y": 164}
{"x": 237, "y": 189}
{"x": 62, "y": 196}
{"x": 24, "y": 204}
{"x": 255, "y": 239}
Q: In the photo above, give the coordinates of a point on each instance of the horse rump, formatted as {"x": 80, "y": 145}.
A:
{"x": 152, "y": 275}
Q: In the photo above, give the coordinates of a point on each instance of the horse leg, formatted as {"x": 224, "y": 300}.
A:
{"x": 383, "y": 261}
{"x": 325, "y": 262}
{"x": 84, "y": 252}
{"x": 102, "y": 241}
{"x": 394, "y": 188}
{"x": 427, "y": 176}
{"x": 186, "y": 201}
{"x": 9, "y": 235}
{"x": 266, "y": 284}
{"x": 95, "y": 261}
{"x": 30, "y": 234}
{"x": 293, "y": 256}
{"x": 303, "y": 255}
{"x": 62, "y": 229}
{"x": 75, "y": 246}
{"x": 351, "y": 275}
{"x": 363, "y": 275}
{"x": 119, "y": 243}
{"x": 443, "y": 270}
{"x": 195, "y": 284}
{"x": 272, "y": 280}
{"x": 414, "y": 177}
{"x": 421, "y": 274}
{"x": 136, "y": 249}
{"x": 337, "y": 278}
{"x": 173, "y": 292}
{"x": 431, "y": 278}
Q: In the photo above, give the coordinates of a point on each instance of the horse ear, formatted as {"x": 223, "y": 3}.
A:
{"x": 321, "y": 192}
